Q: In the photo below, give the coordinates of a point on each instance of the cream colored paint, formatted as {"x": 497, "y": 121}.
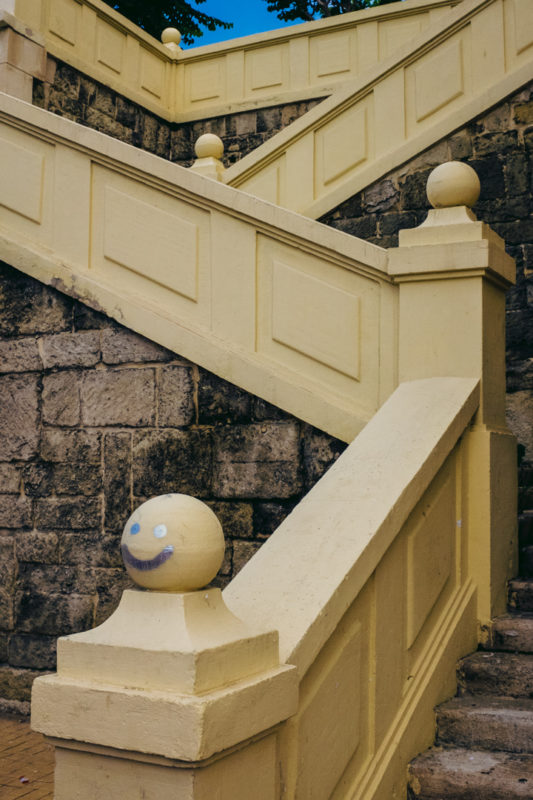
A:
{"x": 106, "y": 774}
{"x": 200, "y": 268}
{"x": 369, "y": 625}
{"x": 22, "y": 56}
{"x": 172, "y": 680}
{"x": 280, "y": 66}
{"x": 470, "y": 59}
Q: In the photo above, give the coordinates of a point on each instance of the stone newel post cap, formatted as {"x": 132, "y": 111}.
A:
{"x": 453, "y": 184}
{"x": 209, "y": 146}
{"x": 171, "y": 36}
{"x": 173, "y": 543}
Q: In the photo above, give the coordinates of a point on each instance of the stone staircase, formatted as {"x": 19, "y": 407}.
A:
{"x": 484, "y": 742}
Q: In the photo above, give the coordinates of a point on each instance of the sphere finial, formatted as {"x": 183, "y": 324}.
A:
{"x": 171, "y": 38}
{"x": 209, "y": 146}
{"x": 453, "y": 183}
{"x": 173, "y": 543}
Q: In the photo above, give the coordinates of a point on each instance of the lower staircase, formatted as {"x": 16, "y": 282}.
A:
{"x": 484, "y": 744}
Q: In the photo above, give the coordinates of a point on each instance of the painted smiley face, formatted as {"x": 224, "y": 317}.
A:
{"x": 172, "y": 543}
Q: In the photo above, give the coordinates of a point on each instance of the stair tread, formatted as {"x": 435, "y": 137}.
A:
{"x": 497, "y": 673}
{"x": 487, "y": 722}
{"x": 482, "y": 702}
{"x": 521, "y": 594}
{"x": 512, "y": 632}
{"x": 460, "y": 773}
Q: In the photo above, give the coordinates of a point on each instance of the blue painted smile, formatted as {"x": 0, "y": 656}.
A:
{"x": 149, "y": 563}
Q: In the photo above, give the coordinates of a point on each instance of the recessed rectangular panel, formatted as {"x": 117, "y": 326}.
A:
{"x": 330, "y": 54}
{"x": 21, "y": 188}
{"x": 63, "y": 19}
{"x": 397, "y": 32}
{"x": 307, "y": 315}
{"x": 110, "y": 46}
{"x": 439, "y": 80}
{"x": 341, "y": 145}
{"x": 151, "y": 242}
{"x": 523, "y": 24}
{"x": 430, "y": 556}
{"x": 266, "y": 68}
{"x": 205, "y": 80}
{"x": 152, "y": 73}
{"x": 330, "y": 721}
{"x": 319, "y": 322}
{"x": 267, "y": 183}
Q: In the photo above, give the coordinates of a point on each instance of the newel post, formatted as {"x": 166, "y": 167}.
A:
{"x": 173, "y": 697}
{"x": 453, "y": 272}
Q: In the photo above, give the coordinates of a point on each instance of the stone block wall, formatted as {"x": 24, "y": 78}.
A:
{"x": 95, "y": 419}
{"x": 499, "y": 146}
{"x": 81, "y": 99}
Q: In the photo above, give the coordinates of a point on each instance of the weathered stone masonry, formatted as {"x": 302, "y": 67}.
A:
{"x": 94, "y": 419}
{"x": 83, "y": 100}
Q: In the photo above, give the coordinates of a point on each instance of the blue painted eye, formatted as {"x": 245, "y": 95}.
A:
{"x": 160, "y": 531}
{"x": 135, "y": 528}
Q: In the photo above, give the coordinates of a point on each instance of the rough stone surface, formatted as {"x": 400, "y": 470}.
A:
{"x": 94, "y": 419}
{"x": 488, "y": 723}
{"x": 486, "y": 731}
{"x": 471, "y": 775}
{"x": 83, "y": 100}
{"x": 513, "y": 633}
{"x": 497, "y": 673}
{"x": 19, "y": 436}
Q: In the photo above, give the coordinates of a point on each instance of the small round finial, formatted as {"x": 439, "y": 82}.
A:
{"x": 453, "y": 183}
{"x": 173, "y": 543}
{"x": 209, "y": 146}
{"x": 171, "y": 36}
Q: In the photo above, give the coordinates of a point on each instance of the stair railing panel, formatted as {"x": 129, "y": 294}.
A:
{"x": 479, "y": 53}
{"x": 303, "y": 61}
{"x": 291, "y": 310}
{"x": 381, "y": 596}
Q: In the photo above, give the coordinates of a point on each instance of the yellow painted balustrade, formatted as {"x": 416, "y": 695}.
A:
{"x": 201, "y": 268}
{"x": 472, "y": 58}
{"x": 371, "y": 582}
{"x": 303, "y": 61}
{"x": 389, "y": 568}
{"x": 387, "y": 571}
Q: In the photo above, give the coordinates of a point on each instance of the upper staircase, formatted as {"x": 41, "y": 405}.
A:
{"x": 473, "y": 57}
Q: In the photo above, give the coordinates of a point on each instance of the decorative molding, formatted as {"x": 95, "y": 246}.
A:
{"x": 281, "y": 66}
{"x": 427, "y": 89}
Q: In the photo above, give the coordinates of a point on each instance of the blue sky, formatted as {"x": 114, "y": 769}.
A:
{"x": 248, "y": 16}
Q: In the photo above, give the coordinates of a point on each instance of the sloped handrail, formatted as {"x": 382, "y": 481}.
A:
{"x": 479, "y": 53}
{"x": 281, "y": 66}
{"x": 222, "y": 278}
{"x": 370, "y": 585}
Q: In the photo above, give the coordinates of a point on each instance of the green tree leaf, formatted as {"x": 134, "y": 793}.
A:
{"x": 306, "y": 10}
{"x": 156, "y": 15}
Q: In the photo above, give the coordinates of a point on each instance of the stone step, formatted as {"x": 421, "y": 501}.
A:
{"x": 487, "y": 723}
{"x": 521, "y": 595}
{"x": 525, "y": 560}
{"x": 507, "y": 674}
{"x": 461, "y": 774}
{"x": 511, "y": 632}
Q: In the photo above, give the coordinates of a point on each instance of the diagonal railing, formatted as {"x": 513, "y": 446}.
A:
{"x": 295, "y": 312}
{"x": 281, "y": 66}
{"x": 472, "y": 58}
